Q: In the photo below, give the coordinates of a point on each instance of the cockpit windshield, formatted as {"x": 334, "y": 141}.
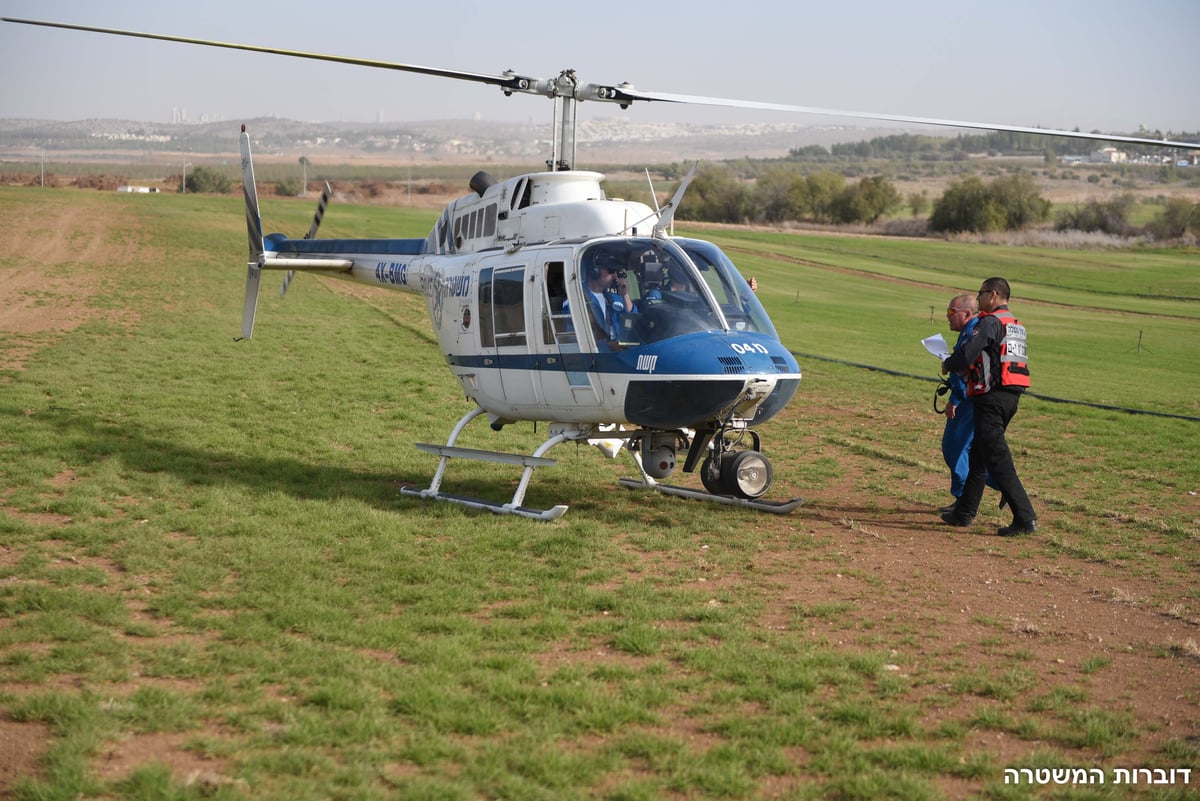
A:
{"x": 739, "y": 304}
{"x": 663, "y": 289}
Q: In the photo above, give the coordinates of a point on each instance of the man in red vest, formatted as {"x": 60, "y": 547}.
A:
{"x": 994, "y": 362}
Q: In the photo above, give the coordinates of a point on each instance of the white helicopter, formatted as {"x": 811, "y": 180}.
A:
{"x": 552, "y": 302}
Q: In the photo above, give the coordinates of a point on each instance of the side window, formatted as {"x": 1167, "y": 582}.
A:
{"x": 556, "y": 321}
{"x": 514, "y": 202}
{"x": 487, "y": 331}
{"x": 502, "y": 307}
{"x": 489, "y": 221}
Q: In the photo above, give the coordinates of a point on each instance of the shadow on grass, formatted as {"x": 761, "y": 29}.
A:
{"x": 80, "y": 439}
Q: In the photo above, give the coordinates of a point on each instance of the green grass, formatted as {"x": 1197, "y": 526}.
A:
{"x": 205, "y": 539}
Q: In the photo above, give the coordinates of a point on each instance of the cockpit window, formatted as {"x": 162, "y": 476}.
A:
{"x": 659, "y": 289}
{"x": 654, "y": 288}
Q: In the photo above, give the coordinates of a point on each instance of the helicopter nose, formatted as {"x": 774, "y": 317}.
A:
{"x": 680, "y": 403}
{"x": 701, "y": 378}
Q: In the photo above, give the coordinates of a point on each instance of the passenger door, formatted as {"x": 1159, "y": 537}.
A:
{"x": 503, "y": 337}
{"x": 563, "y": 367}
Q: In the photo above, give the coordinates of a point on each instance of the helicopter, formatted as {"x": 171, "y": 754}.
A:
{"x": 554, "y": 303}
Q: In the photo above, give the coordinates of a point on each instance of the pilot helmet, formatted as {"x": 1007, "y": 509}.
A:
{"x": 601, "y": 260}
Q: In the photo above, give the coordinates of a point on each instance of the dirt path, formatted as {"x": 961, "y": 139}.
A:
{"x": 57, "y": 254}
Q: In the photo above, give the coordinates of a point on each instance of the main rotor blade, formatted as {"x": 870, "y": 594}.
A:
{"x": 667, "y": 97}
{"x": 496, "y": 80}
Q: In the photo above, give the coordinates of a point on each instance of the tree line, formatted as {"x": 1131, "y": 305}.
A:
{"x": 1009, "y": 143}
{"x": 782, "y": 193}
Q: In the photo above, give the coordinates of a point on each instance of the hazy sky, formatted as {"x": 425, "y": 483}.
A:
{"x": 1092, "y": 64}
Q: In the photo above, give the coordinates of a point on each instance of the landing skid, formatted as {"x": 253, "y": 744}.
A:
{"x": 515, "y": 506}
{"x": 491, "y": 506}
{"x": 774, "y": 507}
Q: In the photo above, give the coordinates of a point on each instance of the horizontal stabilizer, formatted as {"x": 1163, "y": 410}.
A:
{"x": 302, "y": 265}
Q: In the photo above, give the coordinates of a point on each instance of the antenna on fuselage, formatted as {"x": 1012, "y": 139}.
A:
{"x": 666, "y": 217}
{"x": 653, "y": 196}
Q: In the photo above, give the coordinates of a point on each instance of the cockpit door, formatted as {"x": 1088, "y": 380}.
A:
{"x": 563, "y": 367}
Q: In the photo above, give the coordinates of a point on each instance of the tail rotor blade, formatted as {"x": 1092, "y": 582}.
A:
{"x": 320, "y": 214}
{"x": 255, "y": 237}
{"x": 312, "y": 232}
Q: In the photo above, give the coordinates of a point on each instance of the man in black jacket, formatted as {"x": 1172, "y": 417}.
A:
{"x": 994, "y": 362}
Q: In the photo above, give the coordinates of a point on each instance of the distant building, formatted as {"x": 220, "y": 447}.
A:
{"x": 1108, "y": 155}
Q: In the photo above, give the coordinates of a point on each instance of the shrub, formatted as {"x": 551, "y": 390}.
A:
{"x": 287, "y": 187}
{"x": 1008, "y": 203}
{"x": 1179, "y": 216}
{"x": 206, "y": 179}
{"x": 1110, "y": 217}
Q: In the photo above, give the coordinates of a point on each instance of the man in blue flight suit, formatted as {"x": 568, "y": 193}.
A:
{"x": 960, "y": 419}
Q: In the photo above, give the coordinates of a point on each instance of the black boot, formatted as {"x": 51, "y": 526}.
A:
{"x": 956, "y": 518}
{"x": 1018, "y": 528}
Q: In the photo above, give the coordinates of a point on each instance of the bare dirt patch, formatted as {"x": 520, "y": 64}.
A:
{"x": 170, "y": 749}
{"x": 47, "y": 292}
{"x": 21, "y": 748}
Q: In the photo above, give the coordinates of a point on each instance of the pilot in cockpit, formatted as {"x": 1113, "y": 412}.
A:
{"x": 665, "y": 274}
{"x": 607, "y": 293}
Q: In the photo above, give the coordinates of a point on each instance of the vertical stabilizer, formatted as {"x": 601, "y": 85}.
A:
{"x": 256, "y": 259}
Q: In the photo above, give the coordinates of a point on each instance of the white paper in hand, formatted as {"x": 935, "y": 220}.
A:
{"x": 937, "y": 346}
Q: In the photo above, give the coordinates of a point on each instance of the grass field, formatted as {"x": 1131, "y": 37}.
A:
{"x": 211, "y": 587}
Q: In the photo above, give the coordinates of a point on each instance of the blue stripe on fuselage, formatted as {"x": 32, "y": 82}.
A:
{"x": 279, "y": 243}
{"x": 729, "y": 355}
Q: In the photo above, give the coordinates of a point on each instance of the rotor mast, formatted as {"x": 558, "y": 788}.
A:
{"x": 566, "y": 92}
{"x": 564, "y": 112}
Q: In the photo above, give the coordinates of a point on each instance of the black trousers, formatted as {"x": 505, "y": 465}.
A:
{"x": 990, "y": 455}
